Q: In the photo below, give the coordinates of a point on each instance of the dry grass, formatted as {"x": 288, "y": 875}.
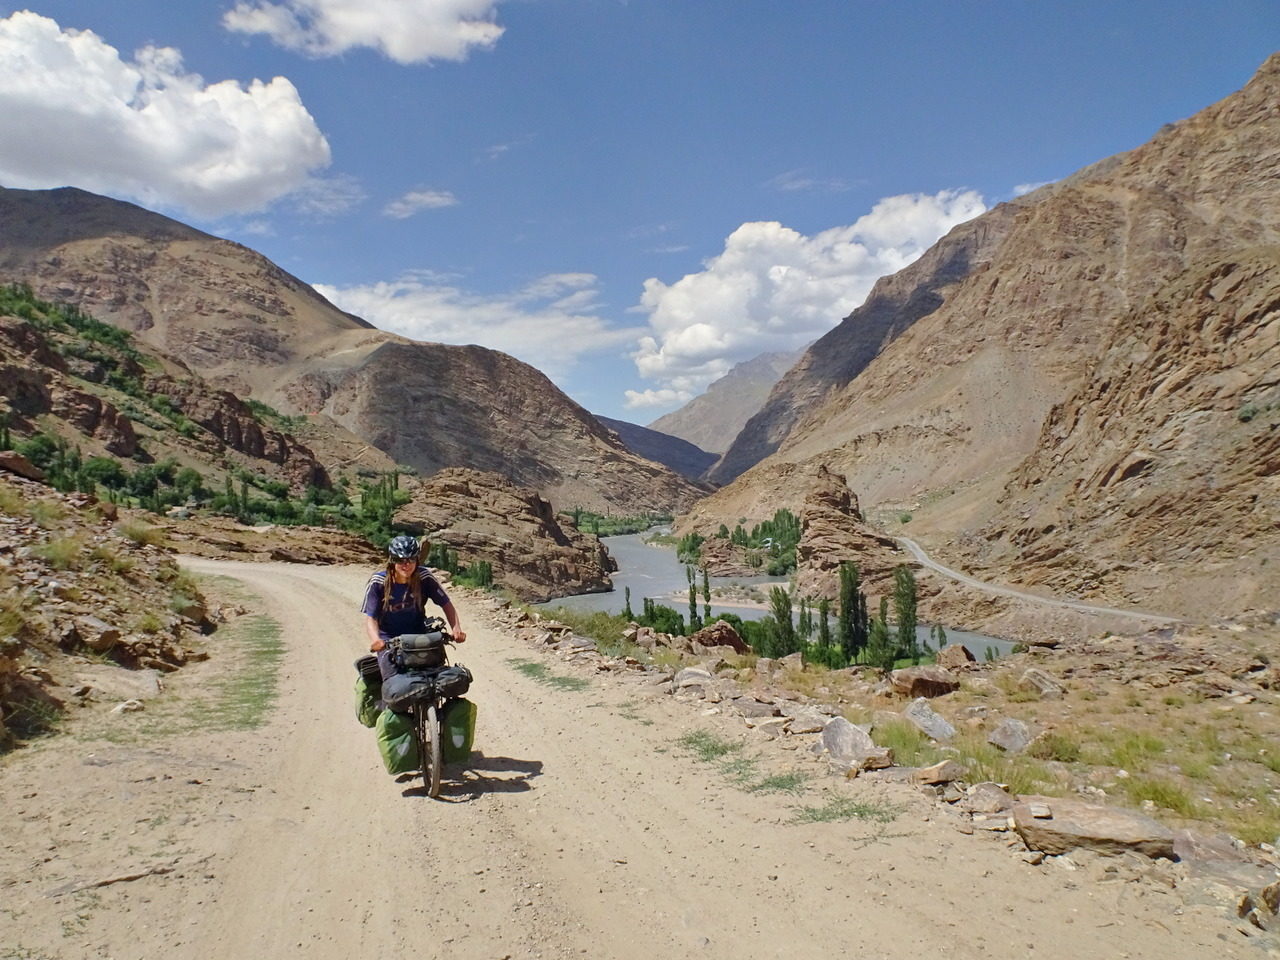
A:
{"x": 141, "y": 533}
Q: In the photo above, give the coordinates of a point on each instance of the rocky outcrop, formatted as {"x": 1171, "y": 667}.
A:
{"x": 712, "y": 419}
{"x": 231, "y": 423}
{"x": 75, "y": 583}
{"x": 247, "y": 327}
{"x": 486, "y": 517}
{"x": 832, "y": 532}
{"x": 680, "y": 455}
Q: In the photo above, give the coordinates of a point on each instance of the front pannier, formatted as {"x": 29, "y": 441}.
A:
{"x": 418, "y": 651}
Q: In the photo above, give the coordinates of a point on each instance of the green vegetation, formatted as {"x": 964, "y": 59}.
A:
{"x": 541, "y": 673}
{"x": 770, "y": 545}
{"x": 847, "y": 808}
{"x": 607, "y": 525}
{"x": 478, "y": 573}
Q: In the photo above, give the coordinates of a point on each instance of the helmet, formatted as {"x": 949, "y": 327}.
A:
{"x": 403, "y": 547}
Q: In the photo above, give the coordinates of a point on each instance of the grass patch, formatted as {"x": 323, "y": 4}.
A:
{"x": 986, "y": 762}
{"x": 541, "y": 673}
{"x": 628, "y": 712}
{"x": 109, "y": 558}
{"x": 604, "y": 628}
{"x": 61, "y": 553}
{"x": 33, "y": 717}
{"x": 910, "y": 746}
{"x": 243, "y": 698}
{"x": 1056, "y": 746}
{"x": 846, "y": 808}
{"x": 793, "y": 782}
{"x": 707, "y": 747}
{"x": 1163, "y": 793}
{"x": 141, "y": 533}
{"x": 46, "y": 513}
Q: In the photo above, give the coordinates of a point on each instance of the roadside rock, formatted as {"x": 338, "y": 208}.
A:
{"x": 1037, "y": 681}
{"x": 924, "y": 681}
{"x": 1073, "y": 823}
{"x": 988, "y": 797}
{"x": 946, "y": 771}
{"x": 929, "y": 722}
{"x": 720, "y": 634}
{"x": 955, "y": 656}
{"x": 851, "y": 746}
{"x": 1012, "y": 735}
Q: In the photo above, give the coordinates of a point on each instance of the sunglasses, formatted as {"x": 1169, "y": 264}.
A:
{"x": 401, "y": 563}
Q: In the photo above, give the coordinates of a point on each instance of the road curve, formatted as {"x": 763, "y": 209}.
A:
{"x": 923, "y": 558}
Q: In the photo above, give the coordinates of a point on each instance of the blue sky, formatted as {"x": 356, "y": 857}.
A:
{"x": 632, "y": 195}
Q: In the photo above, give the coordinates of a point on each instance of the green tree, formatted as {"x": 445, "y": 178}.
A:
{"x": 626, "y": 607}
{"x": 695, "y": 622}
{"x": 780, "y": 604}
{"x": 904, "y": 610}
{"x": 706, "y": 597}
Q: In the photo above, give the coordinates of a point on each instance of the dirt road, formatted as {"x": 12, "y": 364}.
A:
{"x": 581, "y": 829}
{"x": 924, "y": 559}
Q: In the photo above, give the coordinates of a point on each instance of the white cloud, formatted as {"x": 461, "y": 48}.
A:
{"x": 1024, "y": 188}
{"x": 552, "y": 323}
{"x": 657, "y": 398}
{"x": 773, "y": 289}
{"x": 323, "y": 197}
{"x": 76, "y": 113}
{"x": 794, "y": 181}
{"x": 406, "y": 31}
{"x": 417, "y": 200}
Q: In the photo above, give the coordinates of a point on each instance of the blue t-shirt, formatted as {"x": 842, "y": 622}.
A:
{"x": 401, "y": 615}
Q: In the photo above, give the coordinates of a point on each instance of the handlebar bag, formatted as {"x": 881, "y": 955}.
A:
{"x": 416, "y": 651}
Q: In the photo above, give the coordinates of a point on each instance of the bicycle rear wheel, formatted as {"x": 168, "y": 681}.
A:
{"x": 431, "y": 759}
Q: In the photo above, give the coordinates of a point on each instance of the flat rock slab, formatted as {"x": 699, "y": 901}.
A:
{"x": 1012, "y": 735}
{"x": 1073, "y": 824}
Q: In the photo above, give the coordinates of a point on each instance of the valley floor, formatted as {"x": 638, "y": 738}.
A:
{"x": 581, "y": 829}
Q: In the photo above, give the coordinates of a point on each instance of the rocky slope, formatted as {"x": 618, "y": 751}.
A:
{"x": 947, "y": 411}
{"x": 712, "y": 420}
{"x": 93, "y": 608}
{"x": 535, "y": 554}
{"x": 680, "y": 455}
{"x": 248, "y": 327}
{"x": 1168, "y": 457}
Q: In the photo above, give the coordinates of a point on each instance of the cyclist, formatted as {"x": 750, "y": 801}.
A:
{"x": 396, "y": 597}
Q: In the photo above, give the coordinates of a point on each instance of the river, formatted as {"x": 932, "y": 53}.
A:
{"x": 652, "y": 570}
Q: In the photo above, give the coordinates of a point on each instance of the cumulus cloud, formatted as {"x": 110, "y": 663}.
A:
{"x": 774, "y": 289}
{"x": 416, "y": 201}
{"x": 76, "y": 112}
{"x": 406, "y": 31}
{"x": 551, "y": 323}
{"x": 666, "y": 398}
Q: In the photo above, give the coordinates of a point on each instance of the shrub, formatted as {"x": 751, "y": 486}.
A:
{"x": 141, "y": 533}
{"x": 63, "y": 553}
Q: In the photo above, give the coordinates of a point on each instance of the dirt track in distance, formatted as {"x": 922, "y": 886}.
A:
{"x": 581, "y": 829}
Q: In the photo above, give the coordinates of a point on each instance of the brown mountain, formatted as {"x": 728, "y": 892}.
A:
{"x": 247, "y": 326}
{"x": 680, "y": 455}
{"x": 997, "y": 338}
{"x": 712, "y": 420}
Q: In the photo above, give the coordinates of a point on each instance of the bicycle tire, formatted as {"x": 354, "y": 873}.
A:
{"x": 432, "y": 763}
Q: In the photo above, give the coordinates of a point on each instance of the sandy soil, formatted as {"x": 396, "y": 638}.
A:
{"x": 580, "y": 829}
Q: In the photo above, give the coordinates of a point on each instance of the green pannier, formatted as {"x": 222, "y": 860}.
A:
{"x": 396, "y": 742}
{"x": 367, "y": 702}
{"x": 459, "y": 731}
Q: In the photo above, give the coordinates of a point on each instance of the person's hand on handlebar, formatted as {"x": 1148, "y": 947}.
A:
{"x": 459, "y": 636}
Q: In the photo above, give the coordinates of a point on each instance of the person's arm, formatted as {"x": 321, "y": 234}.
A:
{"x": 455, "y": 625}
{"x": 376, "y": 642}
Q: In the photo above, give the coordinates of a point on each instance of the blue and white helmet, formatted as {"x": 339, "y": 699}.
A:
{"x": 403, "y": 547}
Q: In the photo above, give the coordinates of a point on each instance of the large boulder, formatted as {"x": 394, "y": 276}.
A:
{"x": 955, "y": 656}
{"x": 923, "y": 681}
{"x": 849, "y": 745}
{"x": 1071, "y": 824}
{"x": 720, "y": 634}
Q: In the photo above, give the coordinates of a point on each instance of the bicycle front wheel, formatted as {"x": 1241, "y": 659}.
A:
{"x": 431, "y": 760}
